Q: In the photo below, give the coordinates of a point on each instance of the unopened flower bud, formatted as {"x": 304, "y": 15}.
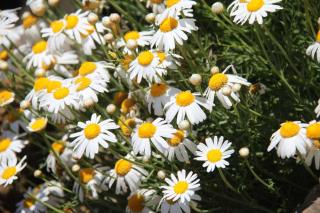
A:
{"x": 53, "y": 2}
{"x": 161, "y": 174}
{"x": 319, "y": 21}
{"x": 115, "y": 17}
{"x": 38, "y": 8}
{"x": 217, "y": 8}
{"x": 145, "y": 159}
{"x": 195, "y": 79}
{"x": 108, "y": 37}
{"x": 25, "y": 104}
{"x": 75, "y": 168}
{"x": 132, "y": 44}
{"x": 236, "y": 87}
{"x": 106, "y": 21}
{"x": 111, "y": 108}
{"x": 214, "y": 70}
{"x": 88, "y": 102}
{"x": 244, "y": 152}
{"x": 93, "y": 18}
{"x": 150, "y": 17}
{"x": 39, "y": 72}
{"x": 37, "y": 173}
{"x": 4, "y": 65}
{"x": 226, "y": 91}
{"x": 184, "y": 125}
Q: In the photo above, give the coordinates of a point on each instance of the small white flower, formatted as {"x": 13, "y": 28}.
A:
{"x": 314, "y": 49}
{"x": 10, "y": 144}
{"x": 6, "y": 97}
{"x": 9, "y": 170}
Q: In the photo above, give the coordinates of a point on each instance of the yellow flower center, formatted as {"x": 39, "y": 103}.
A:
{"x": 136, "y": 203}
{"x": 255, "y": 5}
{"x": 4, "y": 55}
{"x": 61, "y": 93}
{"x": 168, "y": 24}
{"x": 87, "y": 68}
{"x": 125, "y": 62}
{"x": 58, "y": 147}
{"x": 289, "y": 129}
{"x": 185, "y": 98}
{"x": 145, "y": 58}
{"x": 158, "y": 90}
{"x": 127, "y": 104}
{"x": 162, "y": 56}
{"x": 127, "y": 126}
{"x": 39, "y": 47}
{"x": 72, "y": 21}
{"x": 318, "y": 36}
{"x": 214, "y": 155}
{"x": 89, "y": 31}
{"x": 122, "y": 167}
{"x": 313, "y": 131}
{"x": 86, "y": 175}
{"x": 119, "y": 97}
{"x": 176, "y": 139}
{"x": 181, "y": 187}
{"x": 9, "y": 172}
{"x": 83, "y": 83}
{"x": 29, "y": 21}
{"x": 28, "y": 203}
{"x": 53, "y": 85}
{"x": 134, "y": 35}
{"x": 147, "y": 130}
{"x": 40, "y": 83}
{"x": 57, "y": 26}
{"x": 170, "y": 3}
{"x": 156, "y": 1}
{"x": 4, "y": 144}
{"x": 91, "y": 131}
{"x": 38, "y": 124}
{"x": 5, "y": 96}
{"x": 217, "y": 81}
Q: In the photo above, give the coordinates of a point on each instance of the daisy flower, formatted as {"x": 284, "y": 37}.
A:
{"x": 157, "y": 6}
{"x": 178, "y": 146}
{"x": 313, "y": 135}
{"x": 93, "y": 36}
{"x": 317, "y": 109}
{"x": 178, "y": 7}
{"x": 185, "y": 103}
{"x": 314, "y": 49}
{"x": 140, "y": 201}
{"x": 252, "y": 10}
{"x": 93, "y": 134}
{"x": 172, "y": 30}
{"x": 151, "y": 132}
{"x": 33, "y": 204}
{"x": 142, "y": 38}
{"x": 9, "y": 170}
{"x": 10, "y": 144}
{"x": 126, "y": 174}
{"x": 54, "y": 33}
{"x": 77, "y": 25}
{"x": 6, "y": 97}
{"x": 146, "y": 66}
{"x": 290, "y": 138}
{"x": 167, "y": 60}
{"x": 40, "y": 55}
{"x": 214, "y": 153}
{"x": 37, "y": 124}
{"x": 158, "y": 95}
{"x": 8, "y": 18}
{"x": 182, "y": 187}
{"x": 39, "y": 87}
{"x": 95, "y": 70}
{"x": 220, "y": 83}
{"x": 169, "y": 206}
{"x": 92, "y": 179}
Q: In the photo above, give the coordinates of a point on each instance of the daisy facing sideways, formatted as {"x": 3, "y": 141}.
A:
{"x": 187, "y": 104}
{"x": 126, "y": 174}
{"x": 290, "y": 138}
{"x": 141, "y": 200}
{"x": 313, "y": 135}
{"x": 9, "y": 170}
{"x": 141, "y": 38}
{"x": 6, "y": 97}
{"x": 178, "y": 7}
{"x": 214, "y": 152}
{"x": 181, "y": 187}
{"x": 314, "y": 49}
{"x": 252, "y": 10}
{"x": 153, "y": 133}
{"x": 225, "y": 87}
{"x": 10, "y": 144}
{"x": 93, "y": 134}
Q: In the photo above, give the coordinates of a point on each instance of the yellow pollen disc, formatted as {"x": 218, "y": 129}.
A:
{"x": 4, "y": 144}
{"x": 40, "y": 83}
{"x": 255, "y": 5}
{"x": 86, "y": 175}
{"x": 162, "y": 56}
{"x": 29, "y": 21}
{"x": 313, "y": 131}
{"x": 134, "y": 35}
{"x": 91, "y": 131}
{"x": 127, "y": 104}
{"x": 119, "y": 97}
{"x": 185, "y": 98}
{"x": 181, "y": 187}
{"x": 156, "y": 1}
{"x": 57, "y": 26}
{"x": 289, "y": 129}
{"x": 136, "y": 203}
{"x": 316, "y": 143}
{"x": 122, "y": 167}
{"x": 58, "y": 147}
{"x": 168, "y": 24}
{"x": 214, "y": 155}
{"x": 147, "y": 130}
{"x": 5, "y": 96}
{"x": 158, "y": 90}
{"x": 38, "y": 124}
{"x": 145, "y": 58}
{"x": 170, "y": 3}
{"x": 9, "y": 172}
{"x": 39, "y": 47}
{"x": 53, "y": 85}
{"x": 87, "y": 68}
{"x": 318, "y": 36}
{"x": 125, "y": 62}
{"x": 176, "y": 139}
{"x": 28, "y": 203}
{"x": 217, "y": 81}
{"x": 83, "y": 83}
{"x": 89, "y": 31}
{"x": 4, "y": 55}
{"x": 61, "y": 93}
{"x": 72, "y": 21}
{"x": 127, "y": 126}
